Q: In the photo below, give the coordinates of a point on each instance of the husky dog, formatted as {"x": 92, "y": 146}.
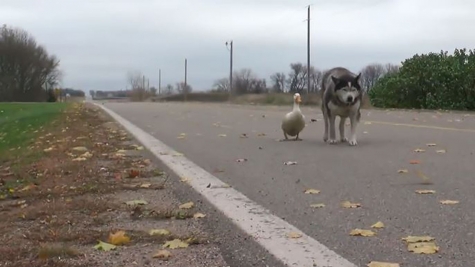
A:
{"x": 341, "y": 96}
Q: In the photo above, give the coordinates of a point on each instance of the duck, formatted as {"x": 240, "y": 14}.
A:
{"x": 293, "y": 122}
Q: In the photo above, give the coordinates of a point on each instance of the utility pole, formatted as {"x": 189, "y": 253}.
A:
{"x": 308, "y": 50}
{"x": 143, "y": 81}
{"x": 148, "y": 84}
{"x": 185, "y": 89}
{"x": 159, "y": 81}
{"x": 230, "y": 69}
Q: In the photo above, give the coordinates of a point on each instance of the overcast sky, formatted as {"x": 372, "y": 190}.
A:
{"x": 99, "y": 41}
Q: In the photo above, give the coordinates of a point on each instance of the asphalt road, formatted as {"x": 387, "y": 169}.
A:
{"x": 367, "y": 173}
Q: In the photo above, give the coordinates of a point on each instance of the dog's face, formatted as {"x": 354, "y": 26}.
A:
{"x": 347, "y": 90}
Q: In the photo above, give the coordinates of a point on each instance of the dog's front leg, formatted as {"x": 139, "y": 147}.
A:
{"x": 342, "y": 129}
{"x": 354, "y": 122}
{"x": 325, "y": 120}
{"x": 332, "y": 118}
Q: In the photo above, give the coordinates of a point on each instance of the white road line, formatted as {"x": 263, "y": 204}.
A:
{"x": 268, "y": 230}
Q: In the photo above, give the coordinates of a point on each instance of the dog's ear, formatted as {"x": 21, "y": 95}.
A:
{"x": 357, "y": 77}
{"x": 335, "y": 80}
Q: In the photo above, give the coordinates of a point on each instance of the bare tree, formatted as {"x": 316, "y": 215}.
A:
{"x": 316, "y": 76}
{"x": 242, "y": 81}
{"x": 28, "y": 72}
{"x": 181, "y": 89}
{"x": 221, "y": 85}
{"x": 278, "y": 82}
{"x": 257, "y": 86}
{"x": 135, "y": 80}
{"x": 391, "y": 68}
{"x": 371, "y": 74}
{"x": 168, "y": 89}
{"x": 153, "y": 90}
{"x": 296, "y": 78}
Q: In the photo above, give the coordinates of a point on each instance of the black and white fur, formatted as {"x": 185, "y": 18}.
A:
{"x": 341, "y": 96}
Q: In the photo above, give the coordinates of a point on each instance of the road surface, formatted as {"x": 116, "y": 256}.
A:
{"x": 366, "y": 174}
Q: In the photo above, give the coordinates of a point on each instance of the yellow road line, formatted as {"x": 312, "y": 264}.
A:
{"x": 422, "y": 126}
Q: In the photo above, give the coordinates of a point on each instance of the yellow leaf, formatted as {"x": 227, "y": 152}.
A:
{"x": 104, "y": 246}
{"x": 425, "y": 191}
{"x": 139, "y": 147}
{"x": 312, "y": 191}
{"x": 159, "y": 232}
{"x": 145, "y": 185}
{"x": 361, "y": 232}
{"x": 378, "y": 225}
{"x": 222, "y": 135}
{"x": 79, "y": 159}
{"x": 119, "y": 238}
{"x": 28, "y": 187}
{"x": 294, "y": 235}
{"x": 441, "y": 151}
{"x": 187, "y": 205}
{"x": 175, "y": 243}
{"x": 317, "y": 206}
{"x": 48, "y": 149}
{"x": 415, "y": 239}
{"x": 382, "y": 264}
{"x": 177, "y": 154}
{"x": 419, "y": 150}
{"x": 162, "y": 254}
{"x": 199, "y": 215}
{"x": 136, "y": 202}
{"x": 449, "y": 202}
{"x": 184, "y": 179}
{"x": 349, "y": 205}
{"x": 80, "y": 148}
{"x": 423, "y": 247}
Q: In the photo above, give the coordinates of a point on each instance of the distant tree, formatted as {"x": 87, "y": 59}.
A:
{"x": 181, "y": 88}
{"x": 91, "y": 92}
{"x": 169, "y": 89}
{"x": 153, "y": 90}
{"x": 278, "y": 82}
{"x": 27, "y": 70}
{"x": 221, "y": 85}
{"x": 371, "y": 74}
{"x": 136, "y": 82}
{"x": 296, "y": 78}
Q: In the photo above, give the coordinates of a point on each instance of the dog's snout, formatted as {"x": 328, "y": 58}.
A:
{"x": 349, "y": 98}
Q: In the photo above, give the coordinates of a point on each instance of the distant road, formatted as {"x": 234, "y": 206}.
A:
{"x": 367, "y": 174}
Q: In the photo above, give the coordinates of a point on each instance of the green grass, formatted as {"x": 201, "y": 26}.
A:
{"x": 21, "y": 123}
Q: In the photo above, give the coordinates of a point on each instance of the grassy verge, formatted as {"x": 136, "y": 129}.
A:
{"x": 55, "y": 207}
{"x": 20, "y": 124}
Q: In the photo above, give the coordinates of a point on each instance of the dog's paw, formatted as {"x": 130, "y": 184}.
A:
{"x": 353, "y": 142}
{"x": 325, "y": 138}
{"x": 333, "y": 141}
{"x": 344, "y": 140}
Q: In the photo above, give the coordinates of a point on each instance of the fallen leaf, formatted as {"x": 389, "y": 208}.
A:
{"x": 199, "y": 215}
{"x": 133, "y": 173}
{"x": 184, "y": 179}
{"x": 425, "y": 191}
{"x": 177, "y": 155}
{"x": 261, "y": 134}
{"x": 431, "y": 144}
{"x": 423, "y": 247}
{"x": 175, "y": 243}
{"x": 403, "y": 171}
{"x": 419, "y": 150}
{"x": 187, "y": 205}
{"x": 378, "y": 225}
{"x": 119, "y": 238}
{"x": 441, "y": 151}
{"x": 294, "y": 235}
{"x": 317, "y": 206}
{"x": 311, "y": 191}
{"x": 362, "y": 232}
{"x": 136, "y": 202}
{"x": 79, "y": 159}
{"x": 79, "y": 148}
{"x": 241, "y": 160}
{"x": 367, "y": 122}
{"x": 449, "y": 202}
{"x": 182, "y": 136}
{"x": 162, "y": 254}
{"x": 48, "y": 149}
{"x": 415, "y": 239}
{"x": 414, "y": 161}
{"x": 104, "y": 246}
{"x": 424, "y": 178}
{"x": 290, "y": 163}
{"x": 28, "y": 187}
{"x": 382, "y": 264}
{"x": 222, "y": 135}
{"x": 145, "y": 185}
{"x": 349, "y": 205}
{"x": 139, "y": 147}
{"x": 159, "y": 232}
{"x": 243, "y": 136}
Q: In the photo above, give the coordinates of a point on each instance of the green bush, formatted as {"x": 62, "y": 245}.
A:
{"x": 429, "y": 81}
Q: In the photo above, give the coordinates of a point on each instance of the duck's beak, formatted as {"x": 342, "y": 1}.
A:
{"x": 298, "y": 100}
